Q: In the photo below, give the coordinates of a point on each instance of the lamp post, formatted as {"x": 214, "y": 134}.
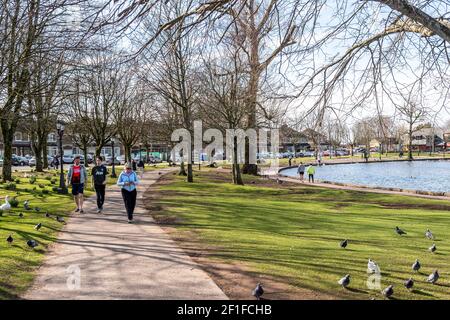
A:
{"x": 113, "y": 173}
{"x": 140, "y": 152}
{"x": 62, "y": 184}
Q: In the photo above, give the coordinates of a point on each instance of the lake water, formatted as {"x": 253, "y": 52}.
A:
{"x": 416, "y": 175}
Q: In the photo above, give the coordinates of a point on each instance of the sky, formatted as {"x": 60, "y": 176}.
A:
{"x": 370, "y": 20}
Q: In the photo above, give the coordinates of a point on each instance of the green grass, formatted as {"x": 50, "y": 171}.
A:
{"x": 18, "y": 262}
{"x": 293, "y": 232}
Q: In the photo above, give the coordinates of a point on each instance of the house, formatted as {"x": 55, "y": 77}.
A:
{"x": 425, "y": 140}
{"x": 446, "y": 139}
{"x": 291, "y": 139}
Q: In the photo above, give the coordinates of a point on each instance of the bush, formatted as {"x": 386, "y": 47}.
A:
{"x": 17, "y": 181}
{"x": 10, "y": 186}
{"x": 14, "y": 202}
{"x": 49, "y": 178}
{"x": 45, "y": 191}
{"x": 53, "y": 181}
{"x": 33, "y": 179}
{"x": 55, "y": 189}
{"x": 42, "y": 186}
{"x": 26, "y": 190}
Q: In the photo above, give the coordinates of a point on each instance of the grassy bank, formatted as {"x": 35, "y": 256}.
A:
{"x": 292, "y": 232}
{"x": 17, "y": 261}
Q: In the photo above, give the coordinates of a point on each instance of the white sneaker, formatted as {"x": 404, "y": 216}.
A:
{"x": 99, "y": 210}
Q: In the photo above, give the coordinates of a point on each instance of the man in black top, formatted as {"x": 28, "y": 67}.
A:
{"x": 99, "y": 173}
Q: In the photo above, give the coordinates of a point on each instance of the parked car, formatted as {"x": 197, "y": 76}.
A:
{"x": 109, "y": 162}
{"x": 305, "y": 154}
{"x": 32, "y": 161}
{"x": 67, "y": 159}
{"x": 15, "y": 160}
{"x": 155, "y": 160}
{"x": 121, "y": 159}
{"x": 23, "y": 161}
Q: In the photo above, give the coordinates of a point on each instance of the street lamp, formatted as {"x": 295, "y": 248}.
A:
{"x": 140, "y": 152}
{"x": 113, "y": 173}
{"x": 62, "y": 184}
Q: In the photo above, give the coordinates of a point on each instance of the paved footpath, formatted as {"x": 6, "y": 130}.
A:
{"x": 117, "y": 260}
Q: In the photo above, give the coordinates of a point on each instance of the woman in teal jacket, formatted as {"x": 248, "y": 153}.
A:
{"x": 128, "y": 180}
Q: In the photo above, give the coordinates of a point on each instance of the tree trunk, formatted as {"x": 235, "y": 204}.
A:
{"x": 44, "y": 153}
{"x": 410, "y": 156}
{"x": 237, "y": 178}
{"x": 98, "y": 150}
{"x": 190, "y": 173}
{"x": 36, "y": 146}
{"x": 39, "y": 165}
{"x": 8, "y": 131}
{"x": 85, "y": 149}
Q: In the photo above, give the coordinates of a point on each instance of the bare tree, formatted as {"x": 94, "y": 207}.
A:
{"x": 131, "y": 114}
{"x": 224, "y": 100}
{"x": 412, "y": 113}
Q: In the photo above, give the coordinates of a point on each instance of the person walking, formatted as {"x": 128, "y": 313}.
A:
{"x": 99, "y": 173}
{"x": 128, "y": 180}
{"x": 311, "y": 171}
{"x": 141, "y": 167}
{"x": 301, "y": 171}
{"x": 76, "y": 177}
{"x": 55, "y": 162}
{"x": 134, "y": 165}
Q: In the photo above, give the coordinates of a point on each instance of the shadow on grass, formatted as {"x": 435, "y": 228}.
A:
{"x": 356, "y": 290}
{"x": 422, "y": 293}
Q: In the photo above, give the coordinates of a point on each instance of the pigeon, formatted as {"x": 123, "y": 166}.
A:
{"x": 37, "y": 209}
{"x": 432, "y": 278}
{"x": 345, "y": 281}
{"x": 32, "y": 243}
{"x": 416, "y": 265}
{"x": 38, "y": 226}
{"x": 429, "y": 235}
{"x": 60, "y": 219}
{"x": 344, "y": 243}
{"x": 372, "y": 267}
{"x": 26, "y": 205}
{"x": 388, "y": 292}
{"x": 399, "y": 231}
{"x": 432, "y": 248}
{"x": 409, "y": 283}
{"x": 21, "y": 215}
{"x": 258, "y": 291}
{"x": 10, "y": 239}
{"x": 47, "y": 215}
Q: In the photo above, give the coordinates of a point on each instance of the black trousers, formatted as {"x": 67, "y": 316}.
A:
{"x": 100, "y": 191}
{"x": 129, "y": 199}
{"x": 311, "y": 177}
